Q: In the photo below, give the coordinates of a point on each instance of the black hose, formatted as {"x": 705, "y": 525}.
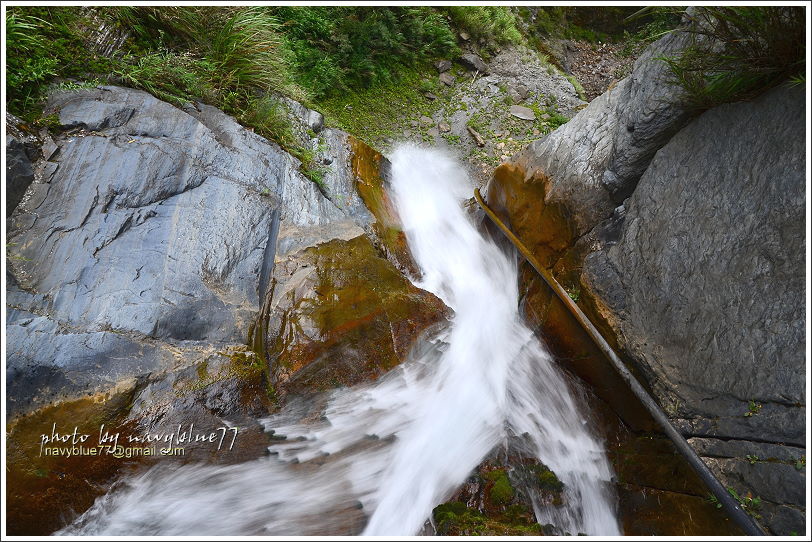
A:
{"x": 742, "y": 518}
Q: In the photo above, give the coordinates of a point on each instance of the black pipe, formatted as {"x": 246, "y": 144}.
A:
{"x": 742, "y": 518}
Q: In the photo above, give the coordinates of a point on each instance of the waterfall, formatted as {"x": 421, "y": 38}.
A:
{"x": 383, "y": 455}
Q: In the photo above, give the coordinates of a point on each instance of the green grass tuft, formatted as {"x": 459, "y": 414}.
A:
{"x": 739, "y": 52}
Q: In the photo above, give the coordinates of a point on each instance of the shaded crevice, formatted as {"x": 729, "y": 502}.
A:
{"x": 268, "y": 255}
{"x": 726, "y": 438}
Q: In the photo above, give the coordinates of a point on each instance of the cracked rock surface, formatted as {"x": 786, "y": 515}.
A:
{"x": 149, "y": 239}
{"x": 683, "y": 235}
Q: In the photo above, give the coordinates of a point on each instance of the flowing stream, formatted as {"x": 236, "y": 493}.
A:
{"x": 381, "y": 456}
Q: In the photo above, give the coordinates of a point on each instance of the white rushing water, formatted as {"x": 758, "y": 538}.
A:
{"x": 392, "y": 450}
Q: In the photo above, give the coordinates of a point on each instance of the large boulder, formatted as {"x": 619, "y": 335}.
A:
{"x": 682, "y": 237}
{"x": 709, "y": 264}
{"x": 154, "y": 224}
{"x": 153, "y": 235}
{"x": 340, "y": 314}
{"x": 150, "y": 263}
{"x": 594, "y": 161}
{"x": 704, "y": 287}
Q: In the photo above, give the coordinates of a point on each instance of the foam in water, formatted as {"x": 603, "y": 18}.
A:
{"x": 385, "y": 454}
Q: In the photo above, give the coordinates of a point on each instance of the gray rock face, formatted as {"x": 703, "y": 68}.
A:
{"x": 310, "y": 119}
{"x": 473, "y": 62}
{"x": 21, "y": 151}
{"x": 521, "y": 112}
{"x": 594, "y": 161}
{"x": 442, "y": 65}
{"x": 709, "y": 266}
{"x": 532, "y": 79}
{"x": 153, "y": 235}
{"x": 705, "y": 286}
{"x": 688, "y": 237}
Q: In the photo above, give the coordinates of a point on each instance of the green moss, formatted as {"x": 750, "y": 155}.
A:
{"x": 501, "y": 492}
{"x": 41, "y": 489}
{"x": 579, "y": 89}
{"x": 456, "y": 519}
{"x": 360, "y": 322}
{"x": 367, "y": 112}
{"x": 547, "y": 480}
{"x": 452, "y": 139}
{"x": 445, "y": 510}
{"x": 244, "y": 365}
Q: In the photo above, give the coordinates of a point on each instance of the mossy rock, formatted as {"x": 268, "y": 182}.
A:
{"x": 501, "y": 493}
{"x": 456, "y": 519}
{"x": 370, "y": 169}
{"x": 351, "y": 317}
{"x": 42, "y": 489}
{"x": 544, "y": 478}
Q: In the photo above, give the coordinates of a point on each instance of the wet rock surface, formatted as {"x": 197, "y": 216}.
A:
{"x": 340, "y": 314}
{"x": 594, "y": 161}
{"x": 160, "y": 228}
{"x": 726, "y": 225}
{"x": 125, "y": 245}
{"x": 150, "y": 246}
{"x": 498, "y": 498}
{"x": 45, "y": 491}
{"x": 697, "y": 276}
{"x": 246, "y": 248}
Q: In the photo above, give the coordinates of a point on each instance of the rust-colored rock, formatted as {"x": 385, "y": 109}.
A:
{"x": 45, "y": 491}
{"x": 341, "y": 314}
{"x": 369, "y": 167}
{"x": 651, "y": 475}
{"x": 520, "y": 201}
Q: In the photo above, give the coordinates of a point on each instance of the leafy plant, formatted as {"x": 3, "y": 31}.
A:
{"x": 175, "y": 78}
{"x": 661, "y": 21}
{"x": 748, "y": 503}
{"x": 752, "y": 459}
{"x": 737, "y": 53}
{"x": 242, "y": 45}
{"x": 753, "y": 408}
{"x": 36, "y": 51}
{"x": 493, "y": 24}
{"x": 714, "y": 501}
{"x": 579, "y": 89}
{"x": 334, "y": 49}
{"x": 22, "y": 32}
